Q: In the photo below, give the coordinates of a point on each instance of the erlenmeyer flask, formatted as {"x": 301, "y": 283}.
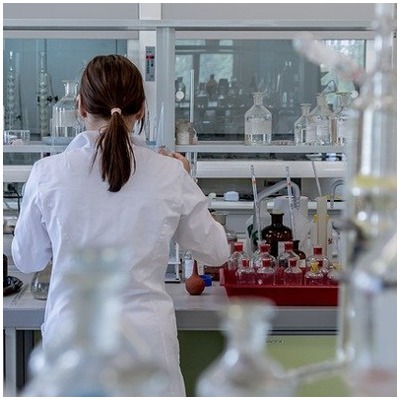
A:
{"x": 94, "y": 351}
{"x": 244, "y": 369}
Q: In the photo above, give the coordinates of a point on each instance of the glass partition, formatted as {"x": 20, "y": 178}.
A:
{"x": 33, "y": 75}
{"x": 227, "y": 72}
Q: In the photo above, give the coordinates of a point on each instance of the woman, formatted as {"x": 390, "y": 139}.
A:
{"x": 104, "y": 190}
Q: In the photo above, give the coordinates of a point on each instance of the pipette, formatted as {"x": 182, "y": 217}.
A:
{"x": 290, "y": 195}
{"x": 256, "y": 202}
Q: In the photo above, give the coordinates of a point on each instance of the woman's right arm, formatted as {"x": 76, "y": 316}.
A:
{"x": 31, "y": 246}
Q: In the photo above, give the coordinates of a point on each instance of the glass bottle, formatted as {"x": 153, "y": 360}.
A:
{"x": 276, "y": 232}
{"x": 234, "y": 262}
{"x": 246, "y": 275}
{"x": 304, "y": 127}
{"x": 322, "y": 261}
{"x": 262, "y": 253}
{"x": 282, "y": 262}
{"x": 322, "y": 116}
{"x": 244, "y": 369}
{"x": 257, "y": 122}
{"x": 95, "y": 352}
{"x": 187, "y": 264}
{"x": 293, "y": 276}
{"x": 314, "y": 277}
{"x": 342, "y": 122}
{"x": 332, "y": 279}
{"x": 41, "y": 282}
{"x": 265, "y": 274}
{"x": 65, "y": 121}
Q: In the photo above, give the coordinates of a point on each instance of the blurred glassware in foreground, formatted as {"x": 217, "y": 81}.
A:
{"x": 244, "y": 369}
{"x": 95, "y": 352}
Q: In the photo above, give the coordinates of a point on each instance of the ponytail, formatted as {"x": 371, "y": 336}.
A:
{"x": 117, "y": 155}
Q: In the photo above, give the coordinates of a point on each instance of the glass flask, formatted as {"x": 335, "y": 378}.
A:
{"x": 257, "y": 122}
{"x": 372, "y": 369}
{"x": 342, "y": 122}
{"x": 246, "y": 275}
{"x": 282, "y": 262}
{"x": 65, "y": 121}
{"x": 314, "y": 277}
{"x": 322, "y": 116}
{"x": 262, "y": 253}
{"x": 304, "y": 127}
{"x": 234, "y": 262}
{"x": 276, "y": 232}
{"x": 41, "y": 282}
{"x": 293, "y": 276}
{"x": 244, "y": 369}
{"x": 265, "y": 275}
{"x": 95, "y": 351}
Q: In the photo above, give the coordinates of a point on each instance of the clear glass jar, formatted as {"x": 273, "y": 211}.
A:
{"x": 95, "y": 352}
{"x": 261, "y": 254}
{"x": 322, "y": 116}
{"x": 304, "y": 127}
{"x": 322, "y": 261}
{"x": 41, "y": 282}
{"x": 244, "y": 369}
{"x": 265, "y": 274}
{"x": 342, "y": 122}
{"x": 282, "y": 262}
{"x": 293, "y": 276}
{"x": 246, "y": 275}
{"x": 257, "y": 122}
{"x": 234, "y": 262}
{"x": 314, "y": 277}
{"x": 65, "y": 121}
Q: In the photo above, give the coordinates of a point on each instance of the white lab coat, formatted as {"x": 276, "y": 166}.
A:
{"x": 66, "y": 205}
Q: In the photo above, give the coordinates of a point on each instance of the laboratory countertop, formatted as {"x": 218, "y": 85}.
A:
{"x": 22, "y": 311}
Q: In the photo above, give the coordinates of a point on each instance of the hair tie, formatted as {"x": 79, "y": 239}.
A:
{"x": 115, "y": 110}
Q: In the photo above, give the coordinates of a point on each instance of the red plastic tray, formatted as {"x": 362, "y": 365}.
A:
{"x": 287, "y": 295}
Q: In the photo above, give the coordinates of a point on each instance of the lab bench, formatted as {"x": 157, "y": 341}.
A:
{"x": 197, "y": 320}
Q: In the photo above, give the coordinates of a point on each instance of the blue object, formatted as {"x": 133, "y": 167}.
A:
{"x": 207, "y": 279}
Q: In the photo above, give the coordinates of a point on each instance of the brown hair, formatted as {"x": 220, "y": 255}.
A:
{"x": 110, "y": 82}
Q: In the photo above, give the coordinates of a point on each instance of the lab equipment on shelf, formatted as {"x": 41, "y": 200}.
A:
{"x": 257, "y": 122}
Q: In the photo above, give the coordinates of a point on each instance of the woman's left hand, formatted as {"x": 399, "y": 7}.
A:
{"x": 183, "y": 159}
